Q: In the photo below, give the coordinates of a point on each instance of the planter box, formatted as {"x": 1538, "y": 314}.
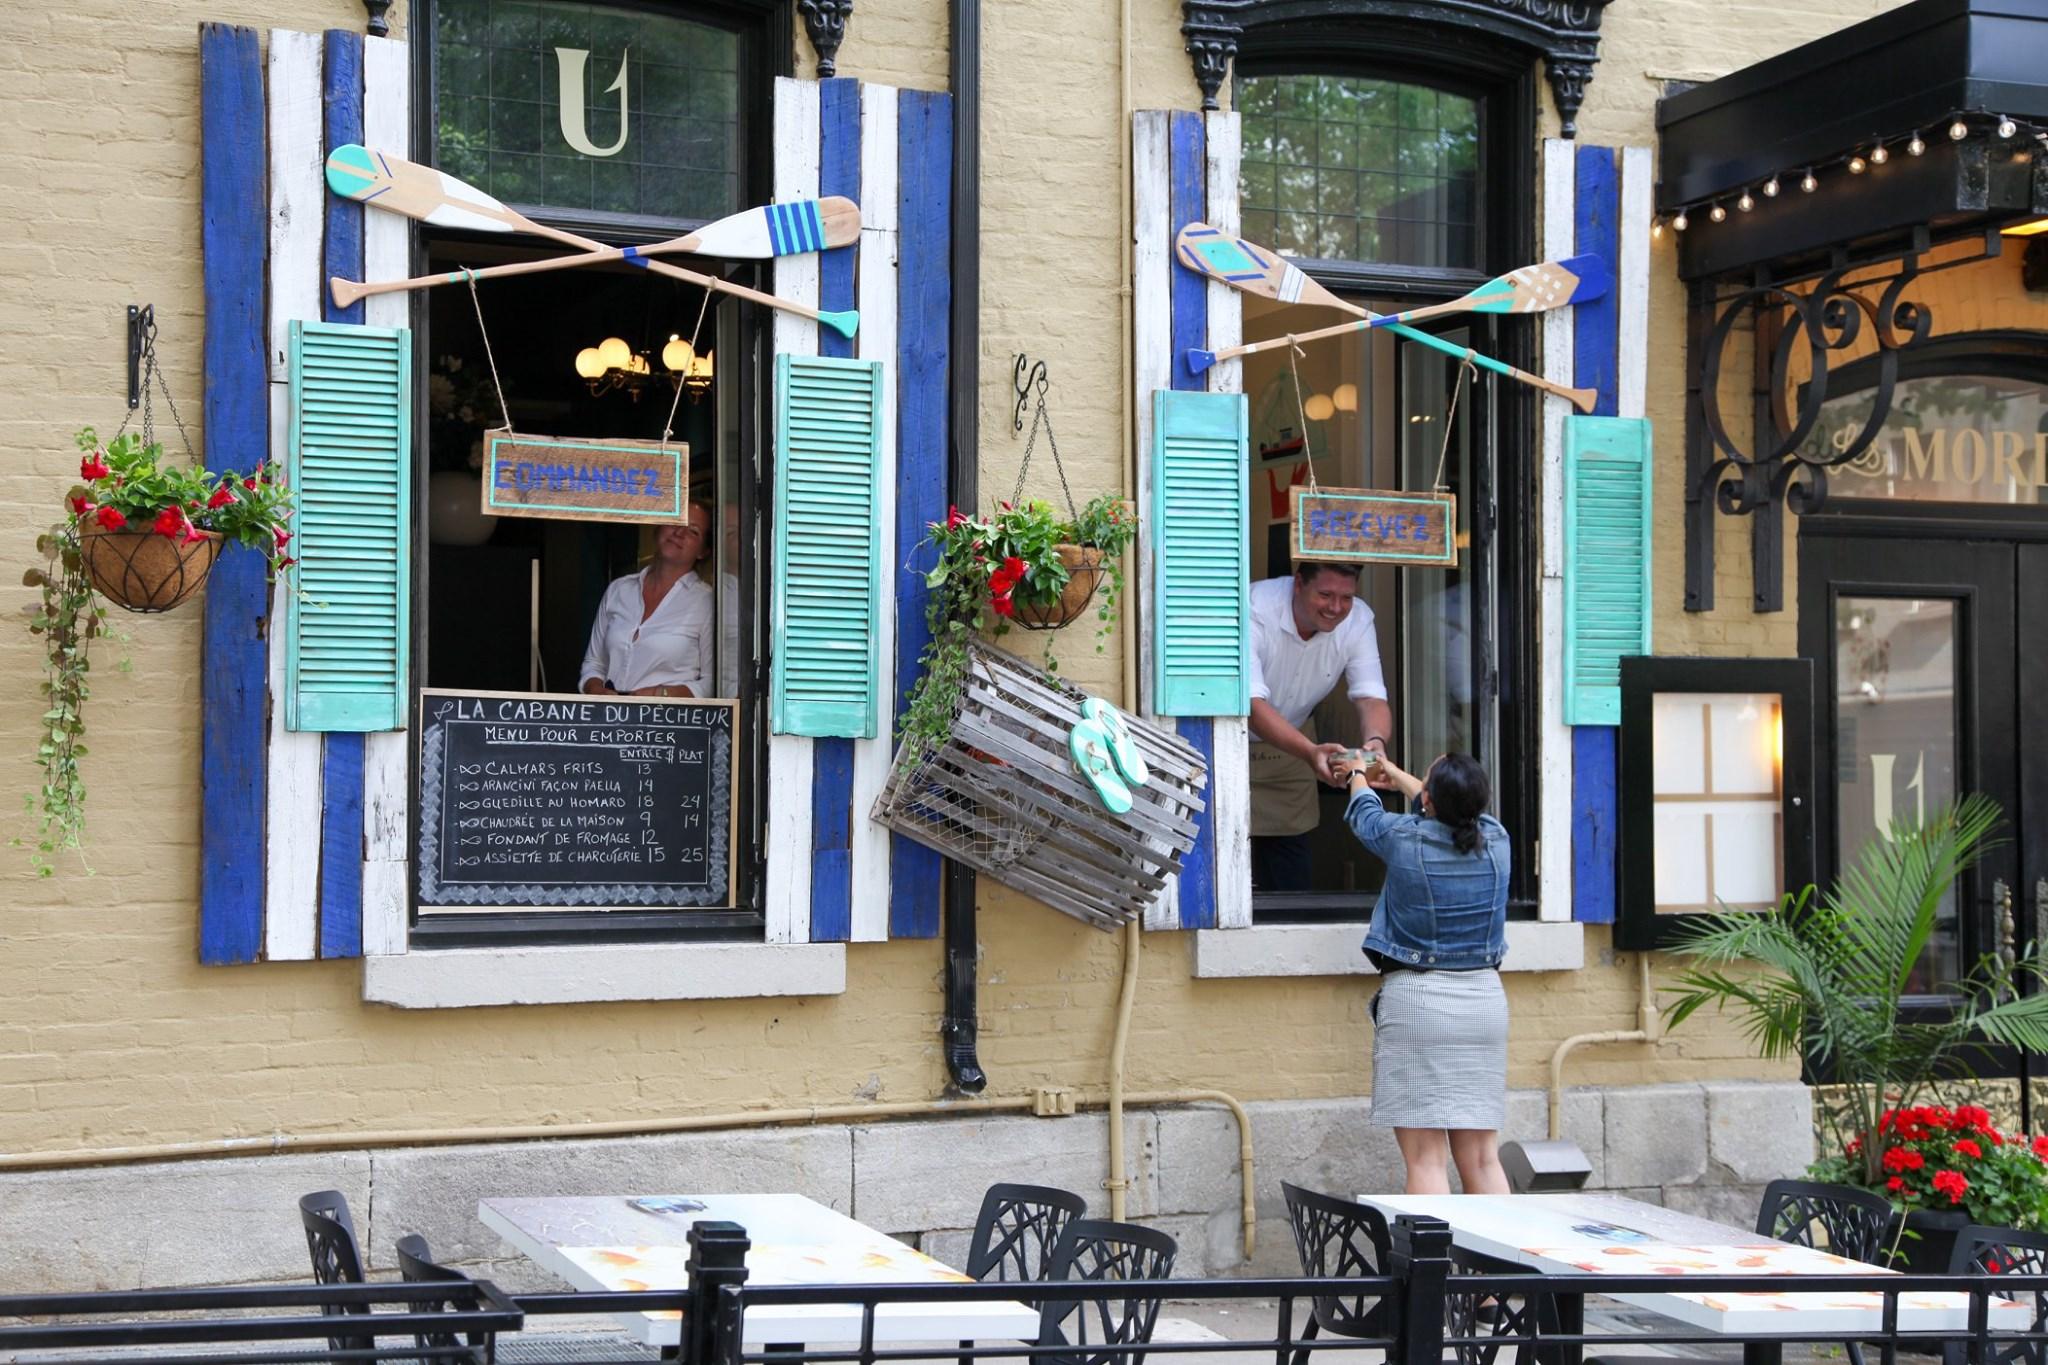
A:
{"x": 1929, "y": 1241}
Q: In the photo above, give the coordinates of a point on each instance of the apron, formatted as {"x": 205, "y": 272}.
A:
{"x": 1284, "y": 790}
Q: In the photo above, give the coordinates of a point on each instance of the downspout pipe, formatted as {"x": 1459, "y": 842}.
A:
{"x": 959, "y": 1028}
{"x": 1649, "y": 1028}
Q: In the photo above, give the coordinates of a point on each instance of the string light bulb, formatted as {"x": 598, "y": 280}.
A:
{"x": 1880, "y": 154}
{"x": 1958, "y": 130}
{"x": 1771, "y": 188}
{"x": 1857, "y": 165}
{"x": 1718, "y": 214}
{"x": 1657, "y": 230}
{"x": 1916, "y": 146}
{"x": 1745, "y": 203}
{"x": 1807, "y": 183}
{"x": 1680, "y": 222}
{"x": 2006, "y": 127}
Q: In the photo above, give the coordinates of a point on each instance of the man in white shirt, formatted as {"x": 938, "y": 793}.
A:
{"x": 1307, "y": 630}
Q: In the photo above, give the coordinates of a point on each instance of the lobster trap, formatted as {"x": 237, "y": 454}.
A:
{"x": 1001, "y": 795}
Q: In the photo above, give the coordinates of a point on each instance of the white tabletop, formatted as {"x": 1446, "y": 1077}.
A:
{"x": 606, "y": 1242}
{"x": 1605, "y": 1234}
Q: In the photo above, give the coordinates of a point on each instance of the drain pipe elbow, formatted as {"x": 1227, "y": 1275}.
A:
{"x": 1648, "y": 1030}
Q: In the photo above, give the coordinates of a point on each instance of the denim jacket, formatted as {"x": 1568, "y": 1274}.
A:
{"x": 1439, "y": 908}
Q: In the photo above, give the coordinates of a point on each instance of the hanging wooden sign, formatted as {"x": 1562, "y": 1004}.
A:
{"x": 1374, "y": 526}
{"x": 585, "y": 480}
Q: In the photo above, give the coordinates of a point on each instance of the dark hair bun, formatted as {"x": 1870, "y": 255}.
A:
{"x": 1459, "y": 793}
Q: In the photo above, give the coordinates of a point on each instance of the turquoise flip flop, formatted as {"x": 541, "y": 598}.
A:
{"x": 1089, "y": 744}
{"x": 1123, "y": 746}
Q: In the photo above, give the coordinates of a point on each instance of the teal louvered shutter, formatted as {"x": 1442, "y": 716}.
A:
{"x": 1606, "y": 561}
{"x": 1201, "y": 618}
{"x": 346, "y": 619}
{"x": 828, "y": 547}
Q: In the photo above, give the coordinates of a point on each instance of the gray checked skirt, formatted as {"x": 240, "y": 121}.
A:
{"x": 1440, "y": 1051}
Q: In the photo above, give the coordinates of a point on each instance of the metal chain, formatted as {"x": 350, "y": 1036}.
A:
{"x": 1043, "y": 417}
{"x": 153, "y": 381}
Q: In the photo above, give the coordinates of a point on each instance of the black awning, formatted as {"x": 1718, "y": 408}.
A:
{"x": 1909, "y": 71}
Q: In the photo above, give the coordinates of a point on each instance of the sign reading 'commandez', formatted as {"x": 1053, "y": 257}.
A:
{"x": 576, "y": 480}
{"x": 1369, "y": 526}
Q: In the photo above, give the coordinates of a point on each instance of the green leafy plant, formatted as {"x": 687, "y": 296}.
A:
{"x": 1826, "y": 975}
{"x": 126, "y": 487}
{"x": 1951, "y": 1160}
{"x": 985, "y": 568}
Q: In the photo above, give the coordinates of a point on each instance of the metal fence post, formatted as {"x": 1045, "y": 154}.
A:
{"x": 718, "y": 1257}
{"x": 1421, "y": 1265}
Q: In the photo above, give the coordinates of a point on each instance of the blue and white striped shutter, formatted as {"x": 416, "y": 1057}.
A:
{"x": 828, "y": 542}
{"x": 347, "y": 624}
{"x": 1201, "y": 628}
{"x": 1607, "y": 532}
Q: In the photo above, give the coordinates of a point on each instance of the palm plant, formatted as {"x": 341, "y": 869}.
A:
{"x": 1829, "y": 973}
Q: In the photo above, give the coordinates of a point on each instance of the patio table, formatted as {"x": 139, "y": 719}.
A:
{"x": 612, "y": 1243}
{"x": 1605, "y": 1234}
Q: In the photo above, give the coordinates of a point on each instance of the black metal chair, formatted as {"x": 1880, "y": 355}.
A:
{"x": 1339, "y": 1239}
{"x": 1838, "y": 1218}
{"x": 2002, "y": 1251}
{"x": 1017, "y": 1229}
{"x": 417, "y": 1265}
{"x": 1097, "y": 1249}
{"x": 331, "y": 1241}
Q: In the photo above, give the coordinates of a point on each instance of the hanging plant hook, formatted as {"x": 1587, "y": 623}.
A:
{"x": 1026, "y": 375}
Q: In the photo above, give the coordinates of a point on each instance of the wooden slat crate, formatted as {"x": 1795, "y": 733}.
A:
{"x": 1002, "y": 796}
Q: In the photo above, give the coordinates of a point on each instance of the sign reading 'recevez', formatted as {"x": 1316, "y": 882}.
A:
{"x": 1368, "y": 526}
{"x": 586, "y": 480}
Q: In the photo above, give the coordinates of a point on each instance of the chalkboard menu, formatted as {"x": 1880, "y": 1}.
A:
{"x": 528, "y": 799}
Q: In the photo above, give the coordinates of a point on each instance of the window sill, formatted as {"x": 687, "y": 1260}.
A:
{"x": 582, "y": 974}
{"x": 1332, "y": 950}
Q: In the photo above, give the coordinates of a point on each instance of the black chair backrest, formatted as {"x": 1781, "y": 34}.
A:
{"x": 1017, "y": 1229}
{"x": 1839, "y": 1218}
{"x": 331, "y": 1241}
{"x": 1340, "y": 1239}
{"x": 2002, "y": 1251}
{"x": 416, "y": 1263}
{"x": 1098, "y": 1249}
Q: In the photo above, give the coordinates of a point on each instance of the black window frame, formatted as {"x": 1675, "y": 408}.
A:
{"x": 1502, "y": 77}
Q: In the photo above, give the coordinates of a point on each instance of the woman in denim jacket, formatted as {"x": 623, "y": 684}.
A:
{"x": 1440, "y": 1019}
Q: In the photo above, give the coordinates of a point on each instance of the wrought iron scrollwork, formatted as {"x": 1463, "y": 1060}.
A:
{"x": 1831, "y": 320}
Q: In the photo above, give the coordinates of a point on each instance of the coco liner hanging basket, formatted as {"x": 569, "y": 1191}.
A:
{"x": 142, "y": 571}
{"x": 1084, "y": 575}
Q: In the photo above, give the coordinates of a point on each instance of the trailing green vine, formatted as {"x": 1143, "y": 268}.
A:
{"x": 69, "y": 618}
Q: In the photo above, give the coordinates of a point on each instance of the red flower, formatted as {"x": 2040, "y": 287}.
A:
{"x": 248, "y": 483}
{"x": 1895, "y": 1159}
{"x": 80, "y": 506}
{"x": 285, "y": 561}
{"x": 1006, "y": 578}
{"x": 1965, "y": 1147}
{"x": 111, "y": 519}
{"x": 1895, "y": 1184}
{"x": 192, "y": 534}
{"x": 170, "y": 521}
{"x": 2041, "y": 1146}
{"x": 94, "y": 466}
{"x": 954, "y": 516}
{"x": 222, "y": 496}
{"x": 1952, "y": 1184}
{"x": 281, "y": 534}
{"x": 1004, "y": 605}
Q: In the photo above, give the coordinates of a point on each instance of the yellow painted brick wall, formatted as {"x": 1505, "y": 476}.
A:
{"x": 109, "y": 1031}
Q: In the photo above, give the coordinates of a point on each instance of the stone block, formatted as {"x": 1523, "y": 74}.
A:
{"x": 1212, "y": 1246}
{"x": 1326, "y": 1145}
{"x": 1759, "y": 1131}
{"x": 434, "y": 1191}
{"x": 1584, "y": 1123}
{"x": 1656, "y": 1135}
{"x": 174, "y": 1223}
{"x": 948, "y": 1245}
{"x": 909, "y": 1177}
{"x": 1732, "y": 1205}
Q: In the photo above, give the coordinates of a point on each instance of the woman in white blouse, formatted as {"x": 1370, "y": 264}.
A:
{"x": 654, "y": 629}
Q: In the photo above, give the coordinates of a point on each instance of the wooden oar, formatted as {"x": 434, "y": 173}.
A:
{"x": 801, "y": 226}
{"x": 396, "y": 185}
{"x": 1251, "y": 268}
{"x": 1531, "y": 289}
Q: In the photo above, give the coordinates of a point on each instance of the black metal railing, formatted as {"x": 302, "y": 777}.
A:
{"x": 1429, "y": 1296}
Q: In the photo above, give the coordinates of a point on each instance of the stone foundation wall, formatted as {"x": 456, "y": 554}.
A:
{"x": 1705, "y": 1148}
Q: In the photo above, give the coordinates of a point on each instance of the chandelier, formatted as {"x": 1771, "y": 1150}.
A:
{"x": 612, "y": 366}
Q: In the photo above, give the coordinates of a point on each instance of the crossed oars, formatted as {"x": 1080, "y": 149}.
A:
{"x": 1531, "y": 289}
{"x": 382, "y": 180}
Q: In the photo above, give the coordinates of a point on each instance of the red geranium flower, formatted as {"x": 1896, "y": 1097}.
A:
{"x": 110, "y": 518}
{"x": 1952, "y": 1184}
{"x": 1895, "y": 1184}
{"x": 1965, "y": 1147}
{"x": 94, "y": 466}
{"x": 222, "y": 496}
{"x": 2041, "y": 1146}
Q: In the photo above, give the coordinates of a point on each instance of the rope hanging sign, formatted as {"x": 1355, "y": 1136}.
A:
{"x": 1374, "y": 525}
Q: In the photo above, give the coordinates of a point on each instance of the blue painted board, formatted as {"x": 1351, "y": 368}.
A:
{"x": 1198, "y": 868}
{"x": 341, "y": 845}
{"x": 924, "y": 300}
{"x": 342, "y": 91}
{"x": 234, "y": 237}
{"x": 1597, "y": 232}
{"x": 832, "y": 840}
{"x": 1595, "y": 814}
{"x": 838, "y": 173}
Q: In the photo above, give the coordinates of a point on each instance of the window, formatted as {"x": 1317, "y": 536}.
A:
{"x": 1959, "y": 437}
{"x": 1352, "y": 169}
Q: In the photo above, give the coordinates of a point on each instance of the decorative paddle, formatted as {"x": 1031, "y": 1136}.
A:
{"x": 396, "y": 185}
{"x": 1245, "y": 265}
{"x": 771, "y": 230}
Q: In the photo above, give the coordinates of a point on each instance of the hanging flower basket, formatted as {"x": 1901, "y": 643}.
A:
{"x": 143, "y": 571}
{"x": 1083, "y": 564}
